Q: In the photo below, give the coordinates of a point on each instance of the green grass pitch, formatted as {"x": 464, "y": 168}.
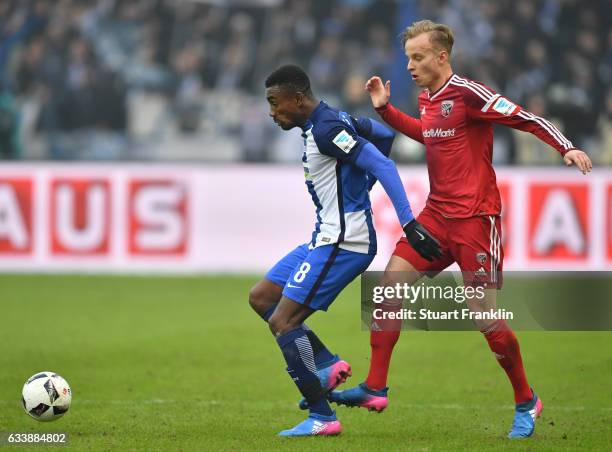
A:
{"x": 163, "y": 363}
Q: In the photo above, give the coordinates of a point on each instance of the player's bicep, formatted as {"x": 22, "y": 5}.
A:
{"x": 340, "y": 142}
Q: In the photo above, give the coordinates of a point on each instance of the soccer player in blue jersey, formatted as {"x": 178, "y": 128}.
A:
{"x": 341, "y": 164}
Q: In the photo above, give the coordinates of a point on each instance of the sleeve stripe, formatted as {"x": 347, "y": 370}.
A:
{"x": 471, "y": 88}
{"x": 484, "y": 90}
{"x": 550, "y": 128}
{"x": 488, "y": 104}
{"x": 570, "y": 145}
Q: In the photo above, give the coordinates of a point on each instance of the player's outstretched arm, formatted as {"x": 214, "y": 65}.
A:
{"x": 379, "y": 95}
{"x": 485, "y": 104}
{"x": 371, "y": 160}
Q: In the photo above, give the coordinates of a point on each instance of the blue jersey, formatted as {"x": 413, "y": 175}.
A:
{"x": 339, "y": 188}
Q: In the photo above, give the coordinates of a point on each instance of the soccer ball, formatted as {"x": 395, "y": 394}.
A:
{"x": 46, "y": 396}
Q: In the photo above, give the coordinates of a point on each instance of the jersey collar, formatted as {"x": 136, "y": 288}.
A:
{"x": 314, "y": 115}
{"x": 442, "y": 88}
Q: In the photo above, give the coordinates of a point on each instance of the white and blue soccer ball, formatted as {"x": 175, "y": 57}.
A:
{"x": 46, "y": 396}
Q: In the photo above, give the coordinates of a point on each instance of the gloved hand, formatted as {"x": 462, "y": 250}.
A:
{"x": 422, "y": 241}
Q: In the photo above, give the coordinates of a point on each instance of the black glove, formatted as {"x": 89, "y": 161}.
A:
{"x": 422, "y": 241}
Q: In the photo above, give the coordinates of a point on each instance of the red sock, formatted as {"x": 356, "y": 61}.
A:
{"x": 383, "y": 338}
{"x": 505, "y": 346}
{"x": 382, "y": 343}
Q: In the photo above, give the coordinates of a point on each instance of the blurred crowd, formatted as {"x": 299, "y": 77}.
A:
{"x": 183, "y": 80}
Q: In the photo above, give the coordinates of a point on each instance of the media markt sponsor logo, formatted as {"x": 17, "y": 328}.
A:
{"x": 438, "y": 133}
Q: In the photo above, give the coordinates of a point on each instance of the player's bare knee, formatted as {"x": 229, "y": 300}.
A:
{"x": 389, "y": 280}
{"x": 400, "y": 271}
{"x": 263, "y": 296}
{"x": 258, "y": 299}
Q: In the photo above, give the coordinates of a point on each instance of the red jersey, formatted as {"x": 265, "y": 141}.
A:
{"x": 456, "y": 128}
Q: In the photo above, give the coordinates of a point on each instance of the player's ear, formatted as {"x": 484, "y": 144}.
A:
{"x": 299, "y": 98}
{"x": 443, "y": 57}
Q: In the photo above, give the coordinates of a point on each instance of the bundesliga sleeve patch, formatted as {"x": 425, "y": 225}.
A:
{"x": 504, "y": 106}
{"x": 344, "y": 141}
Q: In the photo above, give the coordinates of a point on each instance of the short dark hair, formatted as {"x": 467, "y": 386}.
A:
{"x": 290, "y": 76}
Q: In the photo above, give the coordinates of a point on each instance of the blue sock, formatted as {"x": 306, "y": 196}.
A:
{"x": 298, "y": 354}
{"x": 322, "y": 356}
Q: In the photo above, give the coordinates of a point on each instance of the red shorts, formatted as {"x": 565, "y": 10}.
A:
{"x": 474, "y": 243}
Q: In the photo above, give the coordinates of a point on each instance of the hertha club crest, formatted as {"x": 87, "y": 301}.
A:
{"x": 481, "y": 258}
{"x": 447, "y": 107}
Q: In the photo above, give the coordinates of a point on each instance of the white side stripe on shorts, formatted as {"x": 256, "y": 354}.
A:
{"x": 494, "y": 248}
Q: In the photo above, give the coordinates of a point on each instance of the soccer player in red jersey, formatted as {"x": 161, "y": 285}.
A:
{"x": 464, "y": 205}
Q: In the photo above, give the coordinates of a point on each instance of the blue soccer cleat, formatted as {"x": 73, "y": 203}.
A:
{"x": 315, "y": 425}
{"x": 525, "y": 417}
{"x": 331, "y": 377}
{"x": 361, "y": 396}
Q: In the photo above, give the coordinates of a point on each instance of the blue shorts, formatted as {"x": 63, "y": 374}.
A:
{"x": 315, "y": 277}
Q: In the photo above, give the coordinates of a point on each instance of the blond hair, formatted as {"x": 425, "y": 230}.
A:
{"x": 440, "y": 35}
